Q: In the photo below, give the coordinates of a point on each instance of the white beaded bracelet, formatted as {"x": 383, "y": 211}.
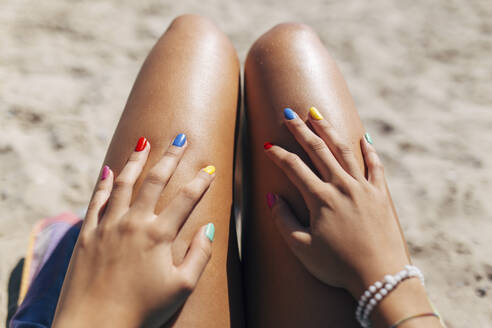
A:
{"x": 377, "y": 291}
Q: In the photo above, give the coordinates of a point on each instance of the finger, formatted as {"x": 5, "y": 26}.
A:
{"x": 179, "y": 209}
{"x": 297, "y": 237}
{"x": 158, "y": 177}
{"x": 338, "y": 146}
{"x": 99, "y": 199}
{"x": 296, "y": 170}
{"x": 198, "y": 256}
{"x": 375, "y": 169}
{"x": 121, "y": 196}
{"x": 314, "y": 146}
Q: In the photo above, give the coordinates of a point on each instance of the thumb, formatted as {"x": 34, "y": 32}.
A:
{"x": 199, "y": 254}
{"x": 297, "y": 237}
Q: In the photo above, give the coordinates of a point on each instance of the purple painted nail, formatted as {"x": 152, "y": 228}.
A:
{"x": 270, "y": 199}
{"x": 105, "y": 172}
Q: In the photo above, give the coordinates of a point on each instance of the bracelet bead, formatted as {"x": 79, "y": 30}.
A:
{"x": 389, "y": 279}
{"x": 377, "y": 291}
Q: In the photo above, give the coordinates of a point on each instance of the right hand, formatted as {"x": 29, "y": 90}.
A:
{"x": 353, "y": 239}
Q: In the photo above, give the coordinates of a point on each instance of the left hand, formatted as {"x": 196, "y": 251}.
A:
{"x": 122, "y": 272}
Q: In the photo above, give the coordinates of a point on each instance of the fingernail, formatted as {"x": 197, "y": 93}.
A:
{"x": 289, "y": 114}
{"x": 368, "y": 138}
{"x": 315, "y": 114}
{"x": 142, "y": 142}
{"x": 180, "y": 140}
{"x": 210, "y": 169}
{"x": 267, "y": 145}
{"x": 210, "y": 231}
{"x": 270, "y": 199}
{"x": 105, "y": 172}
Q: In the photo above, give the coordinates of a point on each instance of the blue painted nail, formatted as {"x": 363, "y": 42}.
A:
{"x": 289, "y": 114}
{"x": 180, "y": 140}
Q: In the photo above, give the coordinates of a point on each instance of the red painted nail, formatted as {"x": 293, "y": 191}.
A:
{"x": 105, "y": 172}
{"x": 142, "y": 142}
{"x": 270, "y": 199}
{"x": 267, "y": 145}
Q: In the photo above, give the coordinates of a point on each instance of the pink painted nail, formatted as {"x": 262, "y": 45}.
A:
{"x": 270, "y": 199}
{"x": 105, "y": 172}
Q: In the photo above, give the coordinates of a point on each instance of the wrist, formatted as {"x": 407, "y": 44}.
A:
{"x": 91, "y": 314}
{"x": 365, "y": 278}
{"x": 407, "y": 299}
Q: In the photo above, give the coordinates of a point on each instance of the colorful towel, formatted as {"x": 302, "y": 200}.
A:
{"x": 50, "y": 249}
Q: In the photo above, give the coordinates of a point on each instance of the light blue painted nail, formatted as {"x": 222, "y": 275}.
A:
{"x": 289, "y": 114}
{"x": 180, "y": 140}
{"x": 210, "y": 231}
{"x": 368, "y": 138}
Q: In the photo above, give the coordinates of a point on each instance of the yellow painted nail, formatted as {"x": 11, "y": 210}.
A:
{"x": 210, "y": 169}
{"x": 315, "y": 114}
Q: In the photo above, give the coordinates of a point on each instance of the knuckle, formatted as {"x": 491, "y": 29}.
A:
{"x": 159, "y": 234}
{"x": 173, "y": 152}
{"x": 166, "y": 236}
{"x": 134, "y": 157}
{"x": 83, "y": 240}
{"x": 99, "y": 188}
{"x": 377, "y": 164}
{"x": 128, "y": 226}
{"x": 324, "y": 195}
{"x": 365, "y": 186}
{"x": 297, "y": 124}
{"x": 191, "y": 192}
{"x": 187, "y": 284}
{"x": 101, "y": 193}
{"x": 328, "y": 130}
{"x": 204, "y": 180}
{"x": 343, "y": 149}
{"x": 103, "y": 230}
{"x": 205, "y": 251}
{"x": 155, "y": 178}
{"x": 93, "y": 206}
{"x": 319, "y": 191}
{"x": 97, "y": 201}
{"x": 122, "y": 183}
{"x": 291, "y": 160}
{"x": 316, "y": 144}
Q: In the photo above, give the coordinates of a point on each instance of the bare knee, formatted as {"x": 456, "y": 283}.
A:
{"x": 200, "y": 32}
{"x": 282, "y": 37}
{"x": 289, "y": 46}
{"x": 288, "y": 30}
{"x": 191, "y": 22}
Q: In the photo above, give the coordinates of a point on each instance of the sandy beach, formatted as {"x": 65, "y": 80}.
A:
{"x": 420, "y": 73}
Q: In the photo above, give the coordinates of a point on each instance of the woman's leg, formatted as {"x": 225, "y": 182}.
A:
{"x": 189, "y": 84}
{"x": 289, "y": 67}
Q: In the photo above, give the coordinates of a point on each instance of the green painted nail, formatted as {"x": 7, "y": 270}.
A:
{"x": 210, "y": 231}
{"x": 368, "y": 138}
